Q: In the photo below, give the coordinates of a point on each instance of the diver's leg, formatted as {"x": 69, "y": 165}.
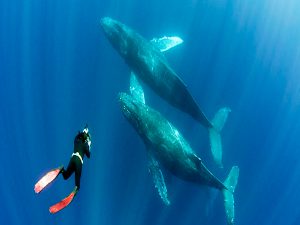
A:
{"x": 78, "y": 173}
{"x": 70, "y": 169}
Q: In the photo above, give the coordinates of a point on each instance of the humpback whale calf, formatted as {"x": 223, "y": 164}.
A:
{"x": 146, "y": 60}
{"x": 166, "y": 147}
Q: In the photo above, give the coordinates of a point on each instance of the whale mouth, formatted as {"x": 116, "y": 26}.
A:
{"x": 128, "y": 106}
{"x": 112, "y": 28}
{"x": 106, "y": 23}
{"x": 117, "y": 34}
{"x": 125, "y": 101}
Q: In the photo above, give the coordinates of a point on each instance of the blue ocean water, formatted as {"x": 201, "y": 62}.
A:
{"x": 59, "y": 72}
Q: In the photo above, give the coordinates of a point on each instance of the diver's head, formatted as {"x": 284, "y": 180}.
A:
{"x": 84, "y": 136}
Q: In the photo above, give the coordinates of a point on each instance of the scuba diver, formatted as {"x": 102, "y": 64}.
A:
{"x": 82, "y": 145}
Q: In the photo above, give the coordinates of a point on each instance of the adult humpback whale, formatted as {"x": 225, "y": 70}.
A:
{"x": 147, "y": 61}
{"x": 166, "y": 147}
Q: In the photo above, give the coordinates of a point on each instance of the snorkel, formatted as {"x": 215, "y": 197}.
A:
{"x": 88, "y": 136}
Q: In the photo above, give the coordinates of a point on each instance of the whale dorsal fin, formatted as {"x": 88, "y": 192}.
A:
{"x": 158, "y": 178}
{"x": 136, "y": 89}
{"x": 165, "y": 43}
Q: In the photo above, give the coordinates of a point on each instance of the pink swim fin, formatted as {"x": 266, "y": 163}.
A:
{"x": 47, "y": 179}
{"x": 63, "y": 203}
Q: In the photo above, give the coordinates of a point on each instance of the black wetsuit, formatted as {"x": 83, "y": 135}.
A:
{"x": 75, "y": 165}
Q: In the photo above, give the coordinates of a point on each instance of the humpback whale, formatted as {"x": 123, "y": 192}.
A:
{"x": 166, "y": 147}
{"x": 146, "y": 60}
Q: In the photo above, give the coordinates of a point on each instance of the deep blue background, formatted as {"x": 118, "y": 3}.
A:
{"x": 58, "y": 72}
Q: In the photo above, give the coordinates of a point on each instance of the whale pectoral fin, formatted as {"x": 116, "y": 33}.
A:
{"x": 197, "y": 161}
{"x": 214, "y": 134}
{"x": 158, "y": 179}
{"x": 165, "y": 43}
{"x": 136, "y": 89}
{"x": 230, "y": 183}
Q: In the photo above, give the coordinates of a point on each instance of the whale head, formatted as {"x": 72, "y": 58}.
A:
{"x": 131, "y": 109}
{"x": 117, "y": 33}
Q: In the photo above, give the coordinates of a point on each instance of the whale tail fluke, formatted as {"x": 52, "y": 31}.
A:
{"x": 230, "y": 183}
{"x": 214, "y": 134}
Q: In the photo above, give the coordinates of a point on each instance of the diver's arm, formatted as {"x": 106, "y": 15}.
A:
{"x": 87, "y": 151}
{"x": 88, "y": 154}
